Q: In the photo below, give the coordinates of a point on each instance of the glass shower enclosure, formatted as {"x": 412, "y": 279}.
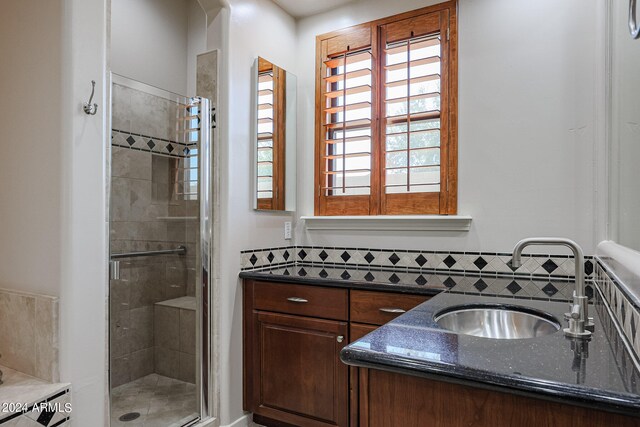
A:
{"x": 160, "y": 238}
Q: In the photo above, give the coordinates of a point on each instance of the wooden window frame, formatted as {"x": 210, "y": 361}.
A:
{"x": 370, "y": 35}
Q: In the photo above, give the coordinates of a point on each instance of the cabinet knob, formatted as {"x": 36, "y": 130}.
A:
{"x": 340, "y": 338}
{"x": 298, "y": 300}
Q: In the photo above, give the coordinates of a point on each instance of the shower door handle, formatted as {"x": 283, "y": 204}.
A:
{"x": 114, "y": 270}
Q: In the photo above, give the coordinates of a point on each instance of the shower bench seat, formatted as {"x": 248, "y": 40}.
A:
{"x": 175, "y": 338}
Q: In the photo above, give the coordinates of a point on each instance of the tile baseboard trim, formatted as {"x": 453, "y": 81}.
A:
{"x": 243, "y": 421}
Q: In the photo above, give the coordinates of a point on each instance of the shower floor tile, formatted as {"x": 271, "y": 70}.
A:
{"x": 161, "y": 402}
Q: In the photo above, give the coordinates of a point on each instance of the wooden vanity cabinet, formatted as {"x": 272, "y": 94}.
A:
{"x": 293, "y": 334}
{"x": 367, "y": 311}
{"x": 293, "y": 375}
{"x": 389, "y": 399}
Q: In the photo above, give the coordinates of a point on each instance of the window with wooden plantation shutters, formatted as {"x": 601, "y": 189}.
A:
{"x": 388, "y": 120}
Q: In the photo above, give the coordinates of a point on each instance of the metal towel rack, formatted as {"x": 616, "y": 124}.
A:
{"x": 180, "y": 250}
{"x": 633, "y": 26}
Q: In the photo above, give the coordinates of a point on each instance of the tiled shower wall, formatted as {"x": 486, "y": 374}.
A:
{"x": 150, "y": 210}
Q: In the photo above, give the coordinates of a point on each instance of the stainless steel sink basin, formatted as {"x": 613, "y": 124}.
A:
{"x": 497, "y": 321}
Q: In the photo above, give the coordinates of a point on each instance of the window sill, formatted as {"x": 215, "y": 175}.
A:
{"x": 389, "y": 223}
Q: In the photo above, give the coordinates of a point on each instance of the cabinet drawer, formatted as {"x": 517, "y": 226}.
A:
{"x": 378, "y": 308}
{"x": 304, "y": 300}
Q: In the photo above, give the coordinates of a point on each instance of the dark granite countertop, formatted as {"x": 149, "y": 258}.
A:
{"x": 603, "y": 375}
{"x": 353, "y": 278}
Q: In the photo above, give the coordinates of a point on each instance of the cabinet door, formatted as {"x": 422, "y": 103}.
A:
{"x": 356, "y": 331}
{"x": 298, "y": 376}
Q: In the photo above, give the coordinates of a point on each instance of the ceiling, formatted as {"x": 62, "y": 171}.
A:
{"x": 302, "y": 8}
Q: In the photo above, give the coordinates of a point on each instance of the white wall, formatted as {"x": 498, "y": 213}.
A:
{"x": 255, "y": 28}
{"x": 52, "y": 181}
{"x": 155, "y": 42}
{"x": 30, "y": 165}
{"x": 83, "y": 224}
{"x": 528, "y": 120}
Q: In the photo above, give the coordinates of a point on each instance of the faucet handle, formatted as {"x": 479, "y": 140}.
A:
{"x": 575, "y": 311}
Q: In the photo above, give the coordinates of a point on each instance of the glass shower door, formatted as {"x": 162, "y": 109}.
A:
{"x": 159, "y": 225}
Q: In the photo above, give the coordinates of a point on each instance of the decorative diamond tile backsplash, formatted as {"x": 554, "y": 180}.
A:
{"x": 539, "y": 267}
{"x": 540, "y": 276}
{"x": 625, "y": 309}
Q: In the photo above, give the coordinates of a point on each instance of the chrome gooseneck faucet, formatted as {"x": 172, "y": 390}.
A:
{"x": 580, "y": 325}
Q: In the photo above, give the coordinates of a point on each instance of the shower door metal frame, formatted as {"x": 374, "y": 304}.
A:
{"x": 205, "y": 257}
{"x": 205, "y": 260}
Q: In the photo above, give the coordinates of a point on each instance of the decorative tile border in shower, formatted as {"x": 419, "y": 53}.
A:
{"x": 53, "y": 411}
{"x": 538, "y": 267}
{"x": 625, "y": 309}
{"x": 136, "y": 141}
